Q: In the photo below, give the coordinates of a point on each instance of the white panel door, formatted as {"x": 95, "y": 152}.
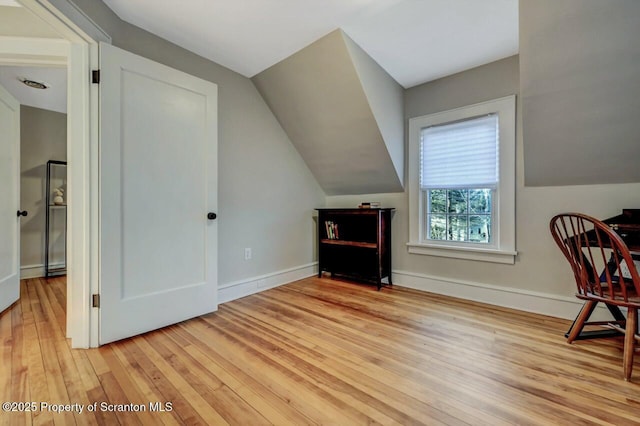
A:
{"x": 9, "y": 199}
{"x": 158, "y": 182}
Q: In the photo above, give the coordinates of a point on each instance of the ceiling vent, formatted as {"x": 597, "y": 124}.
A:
{"x": 33, "y": 83}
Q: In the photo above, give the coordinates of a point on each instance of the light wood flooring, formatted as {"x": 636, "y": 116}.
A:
{"x": 318, "y": 351}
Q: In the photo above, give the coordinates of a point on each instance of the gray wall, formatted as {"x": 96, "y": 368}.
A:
{"x": 580, "y": 62}
{"x": 319, "y": 97}
{"x": 386, "y": 99}
{"x": 43, "y": 137}
{"x": 266, "y": 192}
{"x": 539, "y": 266}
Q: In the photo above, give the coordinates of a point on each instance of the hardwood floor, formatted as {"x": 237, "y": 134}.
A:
{"x": 317, "y": 351}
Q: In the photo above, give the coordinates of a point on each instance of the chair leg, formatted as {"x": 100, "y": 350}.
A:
{"x": 582, "y": 317}
{"x": 629, "y": 342}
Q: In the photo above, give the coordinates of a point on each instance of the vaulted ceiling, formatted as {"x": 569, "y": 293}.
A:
{"x": 413, "y": 40}
{"x": 333, "y": 71}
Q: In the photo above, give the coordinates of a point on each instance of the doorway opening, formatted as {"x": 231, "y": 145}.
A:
{"x": 43, "y": 158}
{"x": 42, "y": 94}
{"x": 71, "y": 48}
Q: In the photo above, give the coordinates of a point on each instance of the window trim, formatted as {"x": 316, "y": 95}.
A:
{"x": 502, "y": 250}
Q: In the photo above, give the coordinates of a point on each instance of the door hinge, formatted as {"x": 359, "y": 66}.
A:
{"x": 95, "y": 76}
{"x": 95, "y": 300}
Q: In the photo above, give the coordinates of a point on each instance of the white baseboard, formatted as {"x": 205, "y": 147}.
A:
{"x": 242, "y": 288}
{"x": 37, "y": 271}
{"x": 31, "y": 271}
{"x": 566, "y": 307}
{"x": 524, "y": 300}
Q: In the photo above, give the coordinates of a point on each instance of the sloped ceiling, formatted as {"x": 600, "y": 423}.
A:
{"x": 342, "y": 112}
{"x": 415, "y": 41}
{"x": 386, "y": 100}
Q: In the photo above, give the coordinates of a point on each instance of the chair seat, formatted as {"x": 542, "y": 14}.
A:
{"x": 632, "y": 295}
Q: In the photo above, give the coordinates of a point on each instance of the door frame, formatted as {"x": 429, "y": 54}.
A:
{"x": 80, "y": 52}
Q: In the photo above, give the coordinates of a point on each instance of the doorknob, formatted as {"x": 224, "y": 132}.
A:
{"x": 211, "y": 216}
{"x": 22, "y": 213}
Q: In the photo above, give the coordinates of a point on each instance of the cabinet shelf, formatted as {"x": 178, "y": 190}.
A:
{"x": 349, "y": 243}
{"x": 355, "y": 243}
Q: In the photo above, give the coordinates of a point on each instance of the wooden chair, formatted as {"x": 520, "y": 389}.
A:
{"x": 590, "y": 246}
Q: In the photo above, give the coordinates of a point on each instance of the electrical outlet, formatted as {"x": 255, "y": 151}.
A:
{"x": 247, "y": 253}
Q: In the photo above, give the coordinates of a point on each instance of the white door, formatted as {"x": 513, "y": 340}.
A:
{"x": 158, "y": 183}
{"x": 9, "y": 199}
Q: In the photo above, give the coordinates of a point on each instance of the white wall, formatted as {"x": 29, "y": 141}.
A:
{"x": 540, "y": 280}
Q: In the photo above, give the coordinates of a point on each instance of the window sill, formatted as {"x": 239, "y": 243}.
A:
{"x": 468, "y": 253}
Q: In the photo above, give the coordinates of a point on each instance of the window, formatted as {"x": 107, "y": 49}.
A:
{"x": 458, "y": 214}
{"x": 462, "y": 182}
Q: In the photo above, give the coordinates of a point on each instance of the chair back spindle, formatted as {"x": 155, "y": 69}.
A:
{"x": 591, "y": 246}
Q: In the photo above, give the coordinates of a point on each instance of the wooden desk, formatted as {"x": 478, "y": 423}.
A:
{"x": 627, "y": 225}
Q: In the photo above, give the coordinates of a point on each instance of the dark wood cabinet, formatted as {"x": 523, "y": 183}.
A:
{"x": 355, "y": 243}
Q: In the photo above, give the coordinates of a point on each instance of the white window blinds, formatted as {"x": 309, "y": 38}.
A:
{"x": 462, "y": 154}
